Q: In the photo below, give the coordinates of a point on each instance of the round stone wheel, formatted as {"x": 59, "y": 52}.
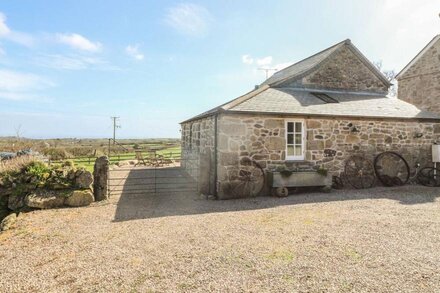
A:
{"x": 280, "y": 191}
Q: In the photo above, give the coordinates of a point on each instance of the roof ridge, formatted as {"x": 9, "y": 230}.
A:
{"x": 346, "y": 41}
{"x": 321, "y": 57}
{"x": 367, "y": 62}
{"x": 314, "y": 55}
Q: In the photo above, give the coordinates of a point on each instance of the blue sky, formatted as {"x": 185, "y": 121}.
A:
{"x": 67, "y": 66}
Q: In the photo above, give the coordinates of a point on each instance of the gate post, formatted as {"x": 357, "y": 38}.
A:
{"x": 100, "y": 176}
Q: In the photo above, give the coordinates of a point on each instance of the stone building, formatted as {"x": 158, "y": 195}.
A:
{"x": 314, "y": 114}
{"x": 419, "y": 81}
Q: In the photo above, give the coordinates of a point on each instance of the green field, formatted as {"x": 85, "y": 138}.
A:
{"x": 83, "y": 152}
{"x": 88, "y": 162}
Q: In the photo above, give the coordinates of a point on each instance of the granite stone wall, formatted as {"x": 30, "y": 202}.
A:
{"x": 343, "y": 71}
{"x": 198, "y": 138}
{"x": 329, "y": 142}
{"x": 420, "y": 84}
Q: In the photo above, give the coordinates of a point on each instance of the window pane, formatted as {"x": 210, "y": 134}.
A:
{"x": 298, "y": 139}
{"x": 298, "y": 126}
{"x": 289, "y": 126}
{"x": 298, "y": 150}
{"x": 290, "y": 138}
{"x": 290, "y": 150}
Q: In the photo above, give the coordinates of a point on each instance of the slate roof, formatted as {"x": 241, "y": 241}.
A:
{"x": 313, "y": 62}
{"x": 272, "y": 98}
{"x": 302, "y": 102}
{"x": 303, "y": 65}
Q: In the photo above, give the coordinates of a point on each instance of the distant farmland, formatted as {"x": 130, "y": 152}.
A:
{"x": 83, "y": 152}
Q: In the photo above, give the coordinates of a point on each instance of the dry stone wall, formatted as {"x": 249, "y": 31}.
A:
{"x": 420, "y": 84}
{"x": 329, "y": 142}
{"x": 198, "y": 138}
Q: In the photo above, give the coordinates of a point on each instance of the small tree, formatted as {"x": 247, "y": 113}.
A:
{"x": 391, "y": 76}
{"x": 18, "y": 132}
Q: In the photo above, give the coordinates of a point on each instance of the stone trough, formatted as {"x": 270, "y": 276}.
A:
{"x": 280, "y": 181}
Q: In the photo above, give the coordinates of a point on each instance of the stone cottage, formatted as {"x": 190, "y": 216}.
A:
{"x": 313, "y": 114}
{"x": 419, "y": 81}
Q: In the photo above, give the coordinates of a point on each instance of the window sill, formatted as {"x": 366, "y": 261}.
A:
{"x": 295, "y": 161}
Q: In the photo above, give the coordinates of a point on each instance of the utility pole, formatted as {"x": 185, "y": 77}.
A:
{"x": 115, "y": 125}
{"x": 267, "y": 70}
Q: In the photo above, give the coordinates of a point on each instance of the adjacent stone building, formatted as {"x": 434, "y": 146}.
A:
{"x": 309, "y": 116}
{"x": 419, "y": 81}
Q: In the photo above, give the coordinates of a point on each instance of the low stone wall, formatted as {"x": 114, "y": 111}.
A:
{"x": 329, "y": 142}
{"x": 38, "y": 186}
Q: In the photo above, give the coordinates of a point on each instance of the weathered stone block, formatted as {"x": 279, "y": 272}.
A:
{"x": 83, "y": 179}
{"x": 79, "y": 198}
{"x": 228, "y": 159}
{"x": 233, "y": 129}
{"x": 377, "y": 136}
{"x": 275, "y": 143}
{"x": 100, "y": 178}
{"x": 46, "y": 199}
{"x": 274, "y": 123}
{"x": 259, "y": 157}
{"x": 313, "y": 124}
{"x": 8, "y": 222}
{"x": 234, "y": 145}
{"x": 351, "y": 138}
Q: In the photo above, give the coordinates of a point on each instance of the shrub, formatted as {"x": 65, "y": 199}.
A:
{"x": 68, "y": 163}
{"x": 15, "y": 165}
{"x": 81, "y": 151}
{"x": 56, "y": 153}
{"x": 37, "y": 169}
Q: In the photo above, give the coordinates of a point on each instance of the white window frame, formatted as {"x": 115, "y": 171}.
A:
{"x": 303, "y": 141}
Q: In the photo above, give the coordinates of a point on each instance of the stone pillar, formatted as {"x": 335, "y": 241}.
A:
{"x": 100, "y": 176}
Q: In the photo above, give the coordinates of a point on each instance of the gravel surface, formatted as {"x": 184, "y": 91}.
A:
{"x": 376, "y": 240}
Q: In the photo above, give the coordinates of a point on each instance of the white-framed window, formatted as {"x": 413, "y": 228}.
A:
{"x": 295, "y": 140}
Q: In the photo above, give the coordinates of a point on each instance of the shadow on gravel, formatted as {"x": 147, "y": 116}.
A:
{"x": 174, "y": 194}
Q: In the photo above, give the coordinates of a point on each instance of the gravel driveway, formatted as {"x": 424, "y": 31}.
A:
{"x": 377, "y": 240}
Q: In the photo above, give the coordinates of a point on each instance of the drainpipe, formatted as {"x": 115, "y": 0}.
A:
{"x": 215, "y": 155}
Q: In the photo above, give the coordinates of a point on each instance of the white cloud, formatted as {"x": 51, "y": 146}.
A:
{"x": 133, "y": 51}
{"x": 73, "y": 62}
{"x": 16, "y": 96}
{"x": 398, "y": 30}
{"x": 4, "y": 29}
{"x": 21, "y": 86}
{"x": 264, "y": 61}
{"x": 247, "y": 59}
{"x": 14, "y": 36}
{"x": 189, "y": 19}
{"x": 79, "y": 42}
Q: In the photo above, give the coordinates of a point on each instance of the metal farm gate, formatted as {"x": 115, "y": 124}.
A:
{"x": 151, "y": 180}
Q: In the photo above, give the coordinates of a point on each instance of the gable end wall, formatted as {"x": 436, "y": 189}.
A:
{"x": 420, "y": 84}
{"x": 343, "y": 71}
